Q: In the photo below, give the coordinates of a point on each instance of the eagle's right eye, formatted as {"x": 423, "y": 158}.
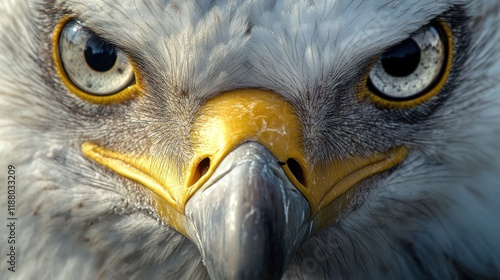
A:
{"x": 90, "y": 66}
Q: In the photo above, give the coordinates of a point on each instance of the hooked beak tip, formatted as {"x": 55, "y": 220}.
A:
{"x": 249, "y": 222}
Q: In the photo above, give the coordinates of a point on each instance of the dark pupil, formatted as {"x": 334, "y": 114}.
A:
{"x": 402, "y": 60}
{"x": 100, "y": 56}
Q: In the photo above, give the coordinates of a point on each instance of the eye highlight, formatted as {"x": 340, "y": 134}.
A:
{"x": 413, "y": 71}
{"x": 93, "y": 69}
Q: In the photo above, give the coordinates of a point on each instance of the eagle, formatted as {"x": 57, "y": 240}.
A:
{"x": 250, "y": 139}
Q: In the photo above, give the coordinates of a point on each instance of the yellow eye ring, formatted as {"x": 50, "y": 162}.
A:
{"x": 432, "y": 89}
{"x": 82, "y": 87}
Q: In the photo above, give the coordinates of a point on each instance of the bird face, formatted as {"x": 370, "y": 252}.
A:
{"x": 241, "y": 133}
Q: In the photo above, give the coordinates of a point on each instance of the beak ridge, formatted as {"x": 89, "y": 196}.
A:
{"x": 248, "y": 220}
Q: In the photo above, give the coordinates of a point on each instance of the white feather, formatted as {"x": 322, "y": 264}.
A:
{"x": 434, "y": 217}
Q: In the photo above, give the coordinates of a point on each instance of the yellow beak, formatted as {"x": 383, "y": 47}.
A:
{"x": 222, "y": 124}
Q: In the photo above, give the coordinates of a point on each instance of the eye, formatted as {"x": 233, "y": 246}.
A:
{"x": 92, "y": 68}
{"x": 417, "y": 68}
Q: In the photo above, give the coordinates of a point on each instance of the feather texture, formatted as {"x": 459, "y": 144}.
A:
{"x": 433, "y": 217}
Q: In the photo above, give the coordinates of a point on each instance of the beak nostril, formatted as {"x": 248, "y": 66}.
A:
{"x": 296, "y": 170}
{"x": 201, "y": 169}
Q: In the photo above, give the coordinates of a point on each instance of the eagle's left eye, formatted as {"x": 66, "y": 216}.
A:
{"x": 414, "y": 68}
{"x": 91, "y": 67}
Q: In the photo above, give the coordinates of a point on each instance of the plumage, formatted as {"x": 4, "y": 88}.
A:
{"x": 432, "y": 216}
